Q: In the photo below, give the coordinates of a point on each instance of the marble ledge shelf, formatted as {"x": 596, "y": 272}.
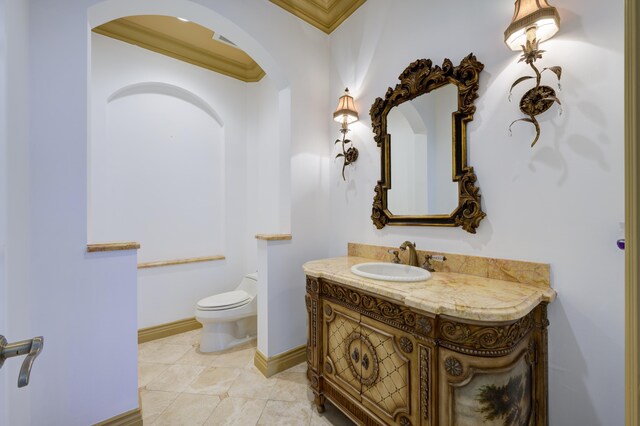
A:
{"x": 273, "y": 237}
{"x": 161, "y": 263}
{"x": 128, "y": 245}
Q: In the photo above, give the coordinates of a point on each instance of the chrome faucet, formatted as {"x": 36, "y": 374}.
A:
{"x": 413, "y": 256}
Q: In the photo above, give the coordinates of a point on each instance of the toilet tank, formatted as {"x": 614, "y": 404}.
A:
{"x": 249, "y": 284}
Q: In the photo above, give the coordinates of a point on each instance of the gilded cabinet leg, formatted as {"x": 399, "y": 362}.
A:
{"x": 319, "y": 400}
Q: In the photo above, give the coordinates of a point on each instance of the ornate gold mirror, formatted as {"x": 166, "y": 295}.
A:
{"x": 420, "y": 127}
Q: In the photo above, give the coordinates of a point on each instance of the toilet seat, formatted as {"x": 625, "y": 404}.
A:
{"x": 223, "y": 301}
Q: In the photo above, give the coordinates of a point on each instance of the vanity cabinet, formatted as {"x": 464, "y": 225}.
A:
{"x": 371, "y": 362}
{"x": 382, "y": 362}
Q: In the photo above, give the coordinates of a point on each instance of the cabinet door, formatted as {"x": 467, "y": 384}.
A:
{"x": 342, "y": 348}
{"x": 487, "y": 391}
{"x": 390, "y": 371}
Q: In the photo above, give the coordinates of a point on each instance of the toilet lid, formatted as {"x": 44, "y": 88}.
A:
{"x": 228, "y": 300}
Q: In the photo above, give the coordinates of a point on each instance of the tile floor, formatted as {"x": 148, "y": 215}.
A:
{"x": 179, "y": 385}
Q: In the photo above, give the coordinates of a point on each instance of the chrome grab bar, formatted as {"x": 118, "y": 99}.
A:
{"x": 31, "y": 348}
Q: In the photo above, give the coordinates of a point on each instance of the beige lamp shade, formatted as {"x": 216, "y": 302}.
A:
{"x": 346, "y": 110}
{"x": 531, "y": 15}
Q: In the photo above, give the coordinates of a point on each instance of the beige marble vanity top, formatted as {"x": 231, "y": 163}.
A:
{"x": 445, "y": 293}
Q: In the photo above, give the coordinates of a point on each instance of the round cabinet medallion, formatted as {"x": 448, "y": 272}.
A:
{"x": 453, "y": 366}
{"x": 328, "y": 310}
{"x": 406, "y": 345}
{"x": 404, "y": 421}
{"x": 423, "y": 325}
{"x": 328, "y": 368}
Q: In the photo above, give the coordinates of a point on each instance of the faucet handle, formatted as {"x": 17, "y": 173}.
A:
{"x": 395, "y": 253}
{"x": 437, "y": 257}
{"x": 427, "y": 263}
{"x": 429, "y": 257}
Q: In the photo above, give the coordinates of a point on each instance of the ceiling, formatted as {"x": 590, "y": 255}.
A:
{"x": 325, "y": 15}
{"x": 197, "y": 45}
{"x": 185, "y": 41}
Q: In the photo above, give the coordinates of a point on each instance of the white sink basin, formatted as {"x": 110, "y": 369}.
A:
{"x": 390, "y": 272}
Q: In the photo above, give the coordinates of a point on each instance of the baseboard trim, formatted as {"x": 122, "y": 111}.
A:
{"x": 130, "y": 418}
{"x": 169, "y": 329}
{"x": 270, "y": 366}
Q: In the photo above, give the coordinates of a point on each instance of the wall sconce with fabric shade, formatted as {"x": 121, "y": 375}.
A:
{"x": 346, "y": 114}
{"x": 534, "y": 21}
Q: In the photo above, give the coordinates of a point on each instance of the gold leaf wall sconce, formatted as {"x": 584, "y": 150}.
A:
{"x": 346, "y": 114}
{"x": 534, "y": 21}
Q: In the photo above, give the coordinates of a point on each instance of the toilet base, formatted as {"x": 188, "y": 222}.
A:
{"x": 218, "y": 336}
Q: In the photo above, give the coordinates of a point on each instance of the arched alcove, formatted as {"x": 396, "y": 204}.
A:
{"x": 270, "y": 165}
{"x": 277, "y": 205}
{"x": 158, "y": 173}
{"x": 156, "y": 87}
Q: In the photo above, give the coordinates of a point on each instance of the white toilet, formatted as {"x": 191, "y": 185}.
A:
{"x": 229, "y": 319}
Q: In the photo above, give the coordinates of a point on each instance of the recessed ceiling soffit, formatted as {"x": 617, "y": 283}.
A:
{"x": 185, "y": 41}
{"x": 325, "y": 15}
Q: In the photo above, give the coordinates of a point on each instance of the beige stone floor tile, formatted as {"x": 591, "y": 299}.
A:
{"x": 189, "y": 338}
{"x": 195, "y": 357}
{"x": 214, "y": 381}
{"x": 235, "y": 358}
{"x": 188, "y": 410}
{"x": 148, "y": 371}
{"x": 251, "y": 384}
{"x": 236, "y": 412}
{"x": 154, "y": 403}
{"x": 181, "y": 386}
{"x": 175, "y": 378}
{"x": 253, "y": 343}
{"x": 331, "y": 416}
{"x": 161, "y": 353}
{"x": 285, "y": 413}
{"x": 290, "y": 386}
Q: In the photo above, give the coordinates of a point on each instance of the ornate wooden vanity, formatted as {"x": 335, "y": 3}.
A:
{"x": 454, "y": 350}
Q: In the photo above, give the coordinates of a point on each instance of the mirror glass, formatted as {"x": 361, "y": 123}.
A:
{"x": 421, "y": 152}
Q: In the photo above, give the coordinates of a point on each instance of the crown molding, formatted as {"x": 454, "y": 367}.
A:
{"x": 130, "y": 32}
{"x": 325, "y": 15}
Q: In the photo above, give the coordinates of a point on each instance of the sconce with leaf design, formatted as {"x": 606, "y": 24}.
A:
{"x": 346, "y": 114}
{"x": 534, "y": 22}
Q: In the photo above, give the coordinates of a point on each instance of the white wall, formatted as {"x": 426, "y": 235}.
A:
{"x": 169, "y": 168}
{"x": 560, "y": 202}
{"x": 261, "y": 148}
{"x": 4, "y": 394}
{"x": 15, "y": 323}
{"x": 85, "y": 304}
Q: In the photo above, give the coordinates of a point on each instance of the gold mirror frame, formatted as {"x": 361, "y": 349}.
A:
{"x": 418, "y": 78}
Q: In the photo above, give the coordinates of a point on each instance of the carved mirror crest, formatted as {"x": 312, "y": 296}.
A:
{"x": 420, "y": 126}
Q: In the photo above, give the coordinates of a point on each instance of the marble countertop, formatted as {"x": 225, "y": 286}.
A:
{"x": 445, "y": 293}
